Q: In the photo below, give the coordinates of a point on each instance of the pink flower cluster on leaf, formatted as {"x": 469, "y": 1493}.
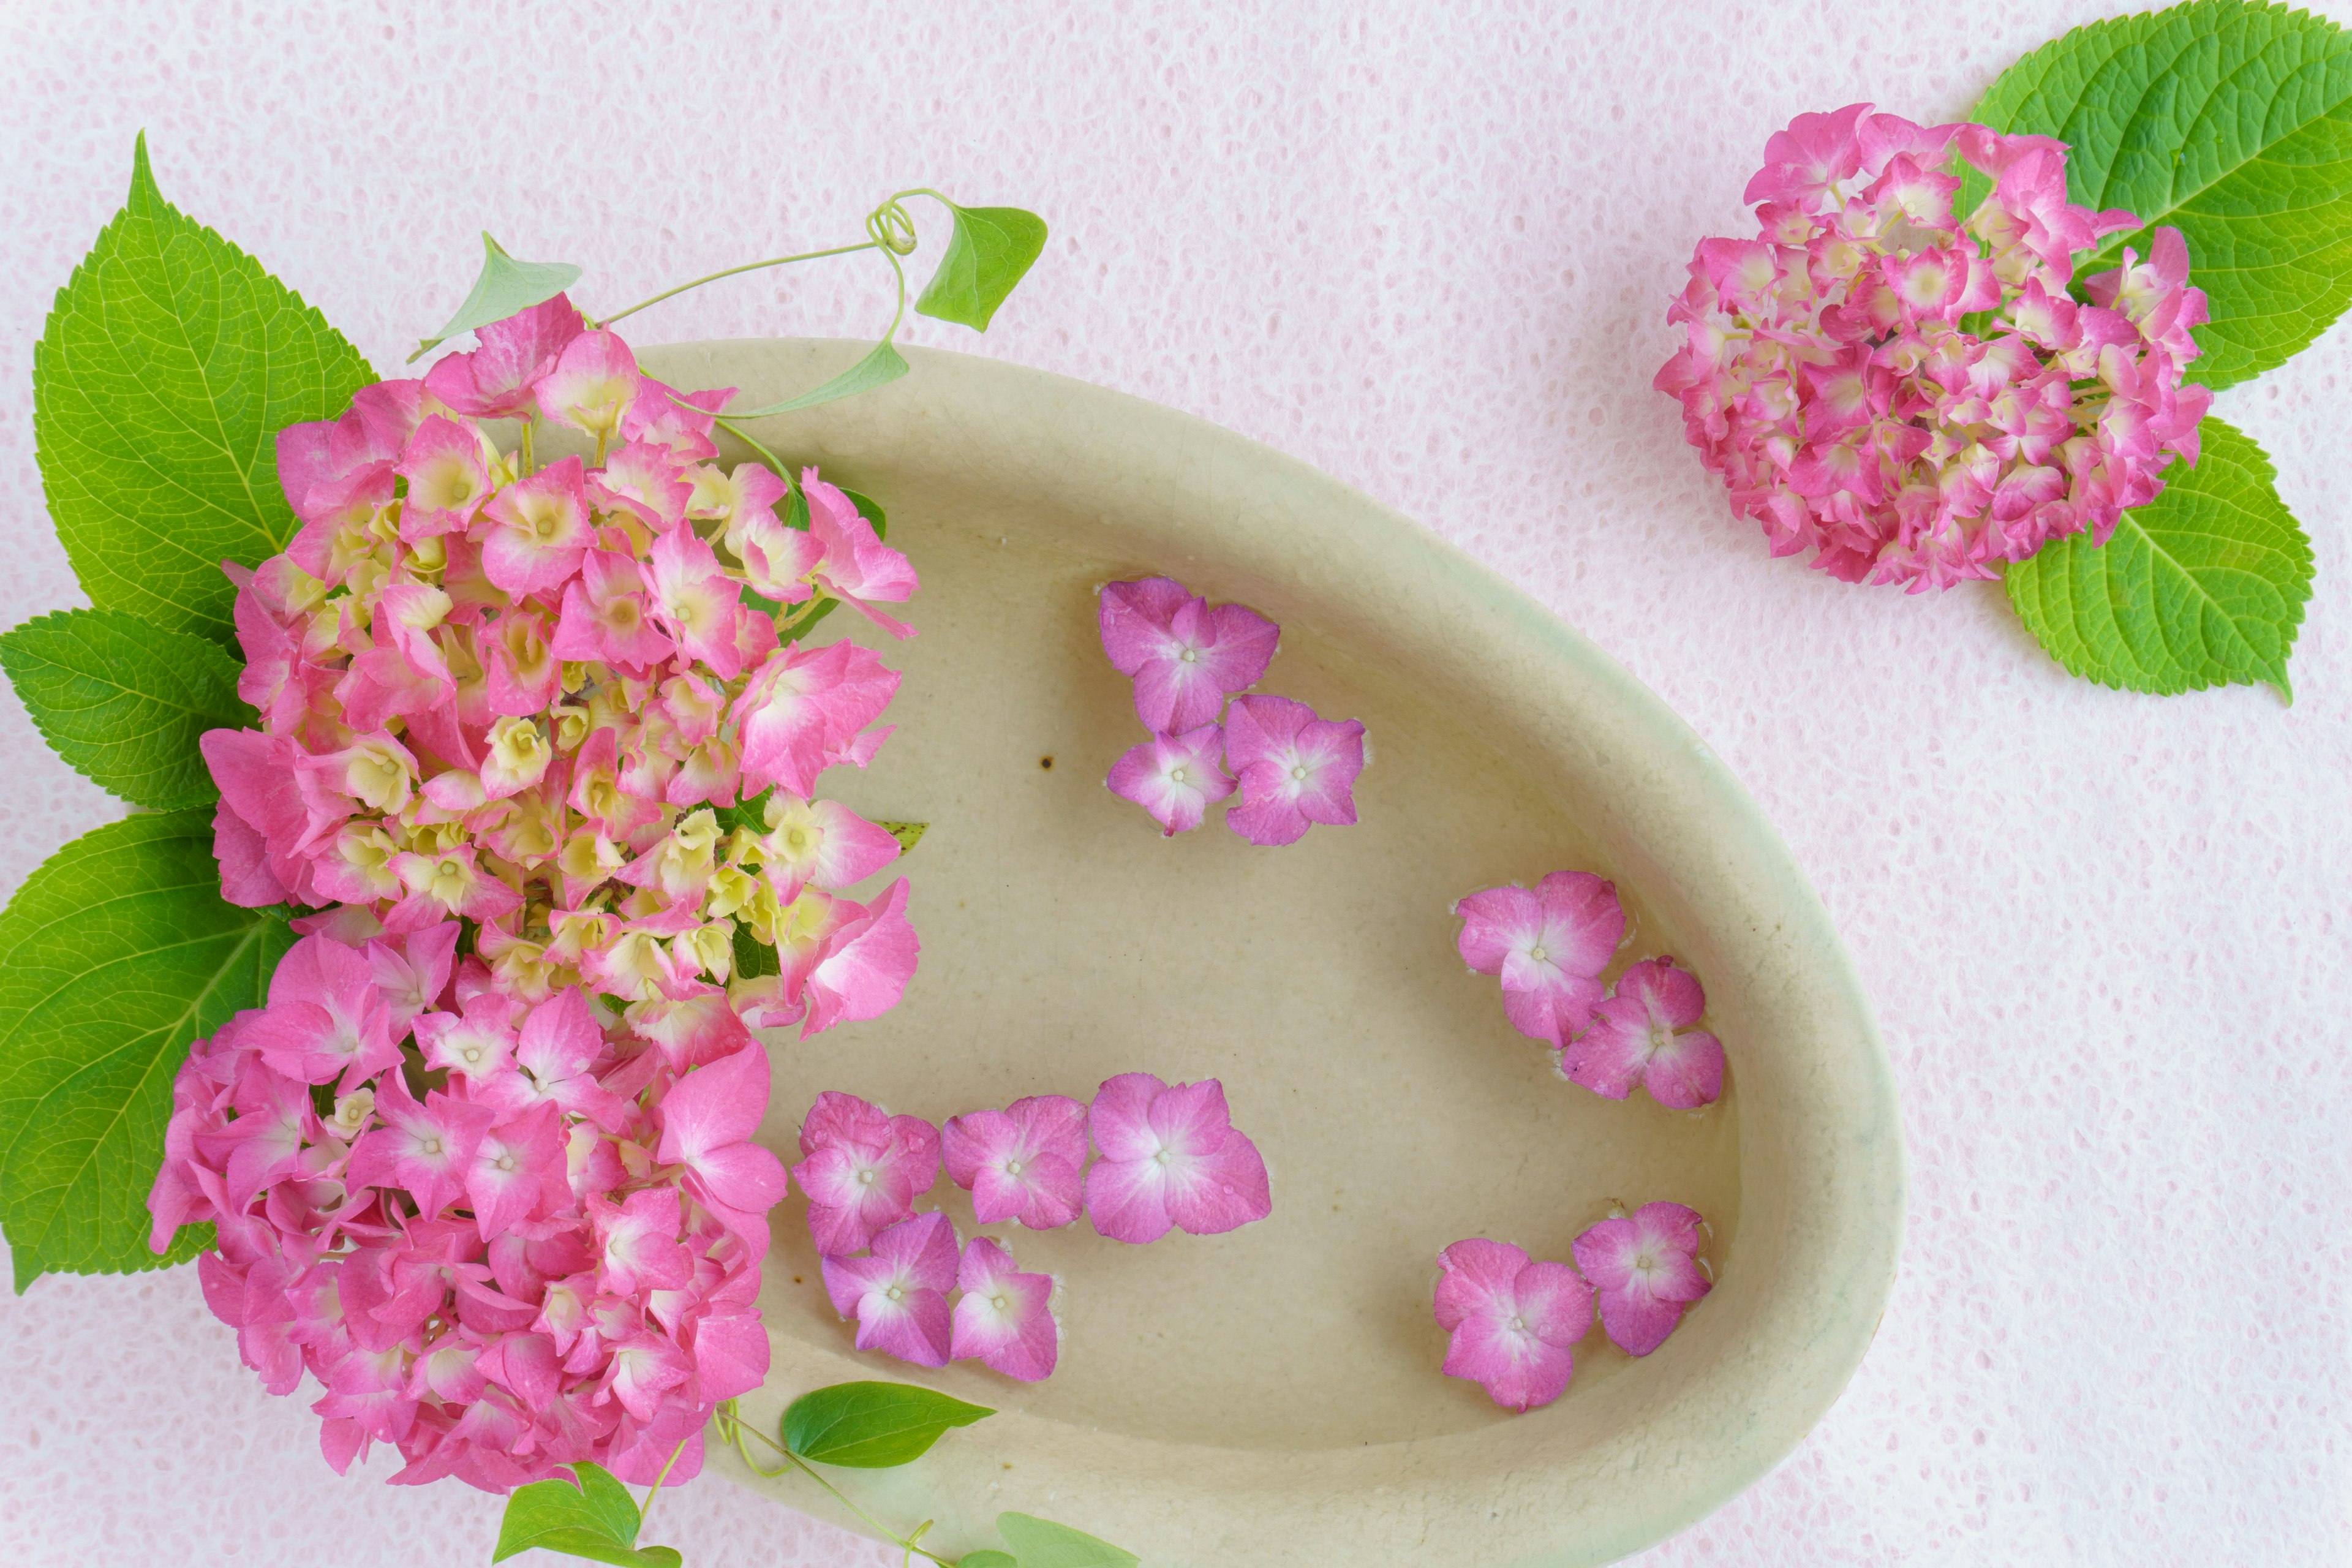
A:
{"x": 1514, "y": 1322}
{"x": 524, "y": 1237}
{"x": 1170, "y": 1159}
{"x": 1293, "y": 769}
{"x": 521, "y": 696}
{"x": 1550, "y": 947}
{"x": 1917, "y": 394}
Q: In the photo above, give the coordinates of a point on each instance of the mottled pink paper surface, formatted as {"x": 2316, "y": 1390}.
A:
{"x": 1427, "y": 249}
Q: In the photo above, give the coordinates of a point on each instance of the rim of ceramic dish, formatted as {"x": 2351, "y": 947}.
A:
{"x": 1822, "y": 1163}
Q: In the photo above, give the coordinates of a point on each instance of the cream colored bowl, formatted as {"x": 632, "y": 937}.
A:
{"x": 1272, "y": 1395}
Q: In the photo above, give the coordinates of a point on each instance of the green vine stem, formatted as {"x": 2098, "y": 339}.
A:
{"x": 729, "y": 1419}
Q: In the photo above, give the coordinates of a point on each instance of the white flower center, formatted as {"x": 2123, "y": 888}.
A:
{"x": 894, "y": 1292}
{"x": 473, "y": 1054}
{"x": 1536, "y": 954}
{"x": 1164, "y": 1156}
{"x": 1190, "y": 656}
{"x": 1012, "y": 1167}
{"x": 1176, "y": 776}
{"x": 506, "y": 1162}
{"x": 1644, "y": 1262}
{"x": 1298, "y": 771}
{"x": 865, "y": 1178}
{"x": 1519, "y": 1325}
{"x": 431, "y": 1146}
{"x": 998, "y": 1303}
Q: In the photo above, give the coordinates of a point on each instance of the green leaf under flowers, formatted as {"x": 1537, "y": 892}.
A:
{"x": 908, "y": 834}
{"x": 1042, "y": 1544}
{"x": 2232, "y": 123}
{"x": 990, "y": 251}
{"x": 123, "y": 700}
{"x": 873, "y": 1426}
{"x": 114, "y": 955}
{"x": 504, "y": 287}
{"x": 169, "y": 362}
{"x": 754, "y": 959}
{"x": 988, "y": 1557}
{"x": 2203, "y": 587}
{"x": 597, "y": 1520}
{"x": 882, "y": 364}
{"x": 869, "y": 509}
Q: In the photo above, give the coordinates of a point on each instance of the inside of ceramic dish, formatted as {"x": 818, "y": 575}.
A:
{"x": 1064, "y": 941}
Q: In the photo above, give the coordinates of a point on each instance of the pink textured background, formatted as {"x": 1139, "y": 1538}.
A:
{"x": 1426, "y": 249}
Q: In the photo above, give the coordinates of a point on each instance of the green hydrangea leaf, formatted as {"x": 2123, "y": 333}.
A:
{"x": 1042, "y": 1544}
{"x": 597, "y": 1520}
{"x": 988, "y": 1557}
{"x": 503, "y": 287}
{"x": 868, "y": 508}
{"x": 882, "y": 364}
{"x": 2232, "y": 123}
{"x": 908, "y": 834}
{"x": 114, "y": 955}
{"x": 123, "y": 700}
{"x": 873, "y": 1426}
{"x": 2203, "y": 587}
{"x": 169, "y": 362}
{"x": 991, "y": 250}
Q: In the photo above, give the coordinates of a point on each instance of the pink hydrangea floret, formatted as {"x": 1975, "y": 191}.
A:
{"x": 1549, "y": 945}
{"x": 862, "y": 1168}
{"x": 1294, "y": 769}
{"x": 898, "y": 1293}
{"x": 1513, "y": 1321}
{"x": 1645, "y": 1267}
{"x": 1170, "y": 1158}
{"x": 1176, "y": 778}
{"x": 1025, "y": 1162}
{"x": 1645, "y": 1034}
{"x": 1004, "y": 1318}
{"x": 1184, "y": 656}
{"x": 1912, "y": 393}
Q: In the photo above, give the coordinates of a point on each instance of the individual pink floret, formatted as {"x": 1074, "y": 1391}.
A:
{"x": 1548, "y": 946}
{"x": 708, "y": 1120}
{"x": 1644, "y": 1267}
{"x": 856, "y": 567}
{"x": 863, "y": 1170}
{"x": 1005, "y": 1318}
{"x": 1024, "y": 1162}
{"x": 494, "y": 381}
{"x": 1513, "y": 1321}
{"x": 1175, "y": 778}
{"x": 1294, "y": 769}
{"x": 534, "y": 532}
{"x": 898, "y": 1296}
{"x": 592, "y": 385}
{"x": 1171, "y": 1156}
{"x": 1643, "y": 1035}
{"x": 1184, "y": 657}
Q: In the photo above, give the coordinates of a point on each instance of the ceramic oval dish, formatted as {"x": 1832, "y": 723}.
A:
{"x": 1272, "y": 1395}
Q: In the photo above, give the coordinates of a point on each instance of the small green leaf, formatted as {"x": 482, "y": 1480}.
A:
{"x": 596, "y": 1520}
{"x": 991, "y": 250}
{"x": 123, "y": 700}
{"x": 908, "y": 834}
{"x": 988, "y": 1557}
{"x": 873, "y": 1426}
{"x": 869, "y": 509}
{"x": 1042, "y": 1544}
{"x": 504, "y": 287}
{"x": 169, "y": 363}
{"x": 2203, "y": 587}
{"x": 114, "y": 955}
{"x": 881, "y": 365}
{"x": 754, "y": 959}
{"x": 2228, "y": 122}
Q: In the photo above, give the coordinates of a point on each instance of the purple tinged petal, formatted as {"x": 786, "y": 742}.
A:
{"x": 1126, "y": 1200}
{"x": 1118, "y": 1118}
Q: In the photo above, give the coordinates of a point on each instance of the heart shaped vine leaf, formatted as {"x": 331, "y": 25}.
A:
{"x": 596, "y": 1520}
{"x": 169, "y": 365}
{"x": 873, "y": 1426}
{"x": 504, "y": 287}
{"x": 114, "y": 955}
{"x": 2203, "y": 587}
{"x": 990, "y": 252}
{"x": 1041, "y": 1543}
{"x": 124, "y": 700}
{"x": 2230, "y": 123}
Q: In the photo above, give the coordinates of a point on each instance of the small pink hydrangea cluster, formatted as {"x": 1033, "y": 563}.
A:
{"x": 1913, "y": 393}
{"x": 1549, "y": 947}
{"x": 506, "y": 1235}
{"x": 522, "y": 694}
{"x": 1293, "y": 769}
{"x": 1169, "y": 1157}
{"x": 1514, "y": 1322}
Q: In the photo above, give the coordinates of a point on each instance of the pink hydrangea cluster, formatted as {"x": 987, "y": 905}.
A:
{"x": 1168, "y": 1157}
{"x": 1186, "y": 659}
{"x": 1513, "y": 1321}
{"x": 1550, "y": 947}
{"x": 505, "y": 1235}
{"x": 523, "y": 694}
{"x": 1914, "y": 392}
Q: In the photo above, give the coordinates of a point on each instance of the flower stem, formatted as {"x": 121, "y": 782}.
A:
{"x": 732, "y": 1429}
{"x": 731, "y": 271}
{"x": 645, "y": 1510}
